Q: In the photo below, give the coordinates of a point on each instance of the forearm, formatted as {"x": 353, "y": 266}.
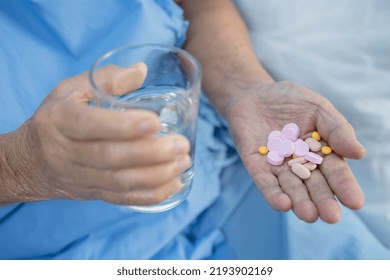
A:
{"x": 218, "y": 37}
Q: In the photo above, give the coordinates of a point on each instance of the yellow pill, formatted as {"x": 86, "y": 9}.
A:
{"x": 263, "y": 150}
{"x": 316, "y": 135}
{"x": 326, "y": 150}
{"x": 294, "y": 156}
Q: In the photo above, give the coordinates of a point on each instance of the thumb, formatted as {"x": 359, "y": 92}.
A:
{"x": 111, "y": 79}
{"x": 115, "y": 80}
{"x": 339, "y": 133}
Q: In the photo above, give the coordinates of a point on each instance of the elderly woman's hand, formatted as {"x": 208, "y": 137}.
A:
{"x": 69, "y": 150}
{"x": 257, "y": 110}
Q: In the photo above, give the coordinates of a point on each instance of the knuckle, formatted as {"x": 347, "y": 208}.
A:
{"x": 42, "y": 118}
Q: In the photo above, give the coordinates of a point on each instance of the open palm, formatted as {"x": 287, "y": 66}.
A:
{"x": 260, "y": 110}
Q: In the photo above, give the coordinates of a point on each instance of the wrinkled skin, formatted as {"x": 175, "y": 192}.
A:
{"x": 265, "y": 107}
{"x": 69, "y": 150}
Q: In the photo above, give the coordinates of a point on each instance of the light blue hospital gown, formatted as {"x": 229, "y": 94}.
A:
{"x": 41, "y": 43}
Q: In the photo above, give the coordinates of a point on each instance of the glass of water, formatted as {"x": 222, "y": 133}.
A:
{"x": 171, "y": 90}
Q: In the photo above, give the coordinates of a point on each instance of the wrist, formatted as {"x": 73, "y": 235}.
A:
{"x": 17, "y": 178}
{"x": 233, "y": 85}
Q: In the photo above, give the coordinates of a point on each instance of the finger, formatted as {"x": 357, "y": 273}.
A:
{"x": 141, "y": 177}
{"x": 293, "y": 186}
{"x": 111, "y": 79}
{"x": 269, "y": 187}
{"x": 130, "y": 79}
{"x": 117, "y": 80}
{"x": 342, "y": 182}
{"x": 141, "y": 197}
{"x": 339, "y": 133}
{"x": 142, "y": 152}
{"x": 81, "y": 122}
{"x": 323, "y": 197}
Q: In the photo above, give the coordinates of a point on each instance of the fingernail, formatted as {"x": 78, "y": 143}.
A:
{"x": 361, "y": 145}
{"x": 140, "y": 65}
{"x": 177, "y": 186}
{"x": 180, "y": 146}
{"x": 363, "y": 149}
{"x": 183, "y": 163}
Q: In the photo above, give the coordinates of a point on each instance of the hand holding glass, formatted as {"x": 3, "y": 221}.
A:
{"x": 171, "y": 90}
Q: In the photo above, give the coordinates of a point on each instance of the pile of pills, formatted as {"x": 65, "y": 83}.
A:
{"x": 286, "y": 143}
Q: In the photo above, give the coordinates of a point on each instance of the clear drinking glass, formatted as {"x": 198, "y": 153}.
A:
{"x": 171, "y": 90}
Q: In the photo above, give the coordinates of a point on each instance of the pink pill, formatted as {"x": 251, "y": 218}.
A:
{"x": 314, "y": 145}
{"x": 286, "y": 148}
{"x": 301, "y": 171}
{"x": 274, "y": 158}
{"x": 311, "y": 166}
{"x": 274, "y": 143}
{"x": 301, "y": 148}
{"x": 274, "y": 134}
{"x": 290, "y": 131}
{"x": 301, "y": 160}
{"x": 314, "y": 158}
